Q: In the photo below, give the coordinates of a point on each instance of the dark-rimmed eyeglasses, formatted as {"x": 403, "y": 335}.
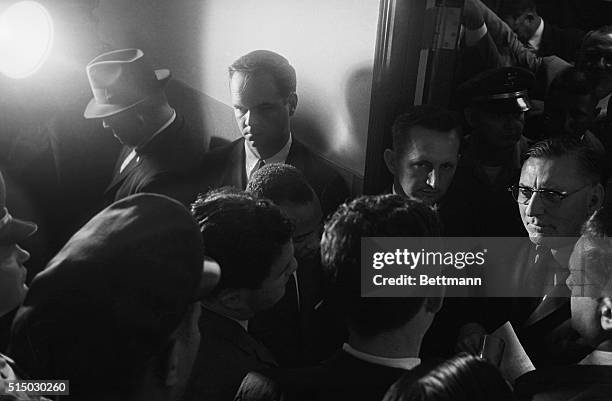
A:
{"x": 549, "y": 197}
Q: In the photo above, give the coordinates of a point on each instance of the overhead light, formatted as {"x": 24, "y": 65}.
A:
{"x": 26, "y": 37}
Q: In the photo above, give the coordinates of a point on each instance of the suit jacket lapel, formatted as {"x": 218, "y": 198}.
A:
{"x": 234, "y": 171}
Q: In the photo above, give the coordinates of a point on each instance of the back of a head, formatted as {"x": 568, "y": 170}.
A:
{"x": 112, "y": 298}
{"x": 461, "y": 378}
{"x": 427, "y": 116}
{"x": 267, "y": 62}
{"x": 280, "y": 183}
{"x": 372, "y": 216}
{"x": 242, "y": 233}
{"x": 516, "y": 8}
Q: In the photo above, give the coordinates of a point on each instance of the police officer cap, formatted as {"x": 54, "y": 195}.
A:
{"x": 501, "y": 90}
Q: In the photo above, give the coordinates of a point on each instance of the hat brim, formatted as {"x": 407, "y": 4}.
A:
{"x": 511, "y": 105}
{"x": 96, "y": 110}
{"x": 17, "y": 230}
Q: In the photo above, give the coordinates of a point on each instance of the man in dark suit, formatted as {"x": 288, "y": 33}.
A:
{"x": 263, "y": 91}
{"x": 544, "y": 39}
{"x": 385, "y": 334}
{"x": 558, "y": 189}
{"x": 590, "y": 282}
{"x": 122, "y": 296}
{"x": 290, "y": 328}
{"x": 250, "y": 239}
{"x": 158, "y": 146}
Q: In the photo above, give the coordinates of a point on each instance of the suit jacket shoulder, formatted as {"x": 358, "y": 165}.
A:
{"x": 223, "y": 166}
{"x": 321, "y": 174}
{"x": 226, "y": 354}
{"x": 174, "y": 152}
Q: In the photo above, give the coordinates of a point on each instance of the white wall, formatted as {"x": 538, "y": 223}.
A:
{"x": 329, "y": 42}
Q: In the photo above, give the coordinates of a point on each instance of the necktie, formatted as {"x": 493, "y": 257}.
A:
{"x": 260, "y": 164}
{"x": 127, "y": 160}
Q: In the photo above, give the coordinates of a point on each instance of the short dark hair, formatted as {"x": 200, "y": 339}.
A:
{"x": 426, "y": 116}
{"x": 463, "y": 377}
{"x": 267, "y": 62}
{"x": 372, "y": 216}
{"x": 243, "y": 234}
{"x": 571, "y": 81}
{"x": 516, "y": 8}
{"x": 280, "y": 183}
{"x": 588, "y": 160}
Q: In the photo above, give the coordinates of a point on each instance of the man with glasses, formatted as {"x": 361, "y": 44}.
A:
{"x": 264, "y": 98}
{"x": 559, "y": 188}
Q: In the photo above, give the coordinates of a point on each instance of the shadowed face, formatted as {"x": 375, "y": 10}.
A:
{"x": 261, "y": 112}
{"x": 498, "y": 131}
{"x": 425, "y": 167}
{"x": 596, "y": 60}
{"x": 127, "y": 127}
{"x": 12, "y": 277}
{"x": 272, "y": 289}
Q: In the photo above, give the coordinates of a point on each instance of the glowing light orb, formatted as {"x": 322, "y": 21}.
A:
{"x": 26, "y": 36}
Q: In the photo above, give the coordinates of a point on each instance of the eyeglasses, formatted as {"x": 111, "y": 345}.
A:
{"x": 549, "y": 197}
{"x": 594, "y": 58}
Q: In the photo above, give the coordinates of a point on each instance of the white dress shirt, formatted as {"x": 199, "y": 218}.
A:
{"x": 251, "y": 160}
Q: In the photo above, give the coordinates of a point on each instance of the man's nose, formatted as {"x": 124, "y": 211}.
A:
{"x": 433, "y": 178}
{"x": 534, "y": 205}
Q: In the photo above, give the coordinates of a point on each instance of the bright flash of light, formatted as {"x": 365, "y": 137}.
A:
{"x": 26, "y": 36}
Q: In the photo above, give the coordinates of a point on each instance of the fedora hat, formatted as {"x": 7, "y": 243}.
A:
{"x": 120, "y": 80}
{"x": 12, "y": 230}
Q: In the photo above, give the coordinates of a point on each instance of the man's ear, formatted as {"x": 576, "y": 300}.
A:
{"x": 606, "y": 314}
{"x": 292, "y": 100}
{"x": 597, "y": 198}
{"x": 389, "y": 157}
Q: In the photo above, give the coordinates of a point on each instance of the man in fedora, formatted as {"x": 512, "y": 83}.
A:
{"x": 116, "y": 310}
{"x": 158, "y": 145}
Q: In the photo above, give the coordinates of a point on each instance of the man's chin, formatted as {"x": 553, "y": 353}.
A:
{"x": 550, "y": 241}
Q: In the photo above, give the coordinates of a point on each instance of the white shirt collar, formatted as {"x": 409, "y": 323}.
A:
{"x": 251, "y": 160}
{"x": 401, "y": 363}
{"x": 536, "y": 39}
{"x": 163, "y": 127}
{"x": 597, "y": 357}
{"x": 132, "y": 154}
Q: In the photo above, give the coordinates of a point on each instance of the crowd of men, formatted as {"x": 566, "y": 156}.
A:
{"x": 236, "y": 273}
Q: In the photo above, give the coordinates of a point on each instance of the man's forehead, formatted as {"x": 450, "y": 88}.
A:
{"x": 420, "y": 139}
{"x": 256, "y": 86}
{"x": 552, "y": 173}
